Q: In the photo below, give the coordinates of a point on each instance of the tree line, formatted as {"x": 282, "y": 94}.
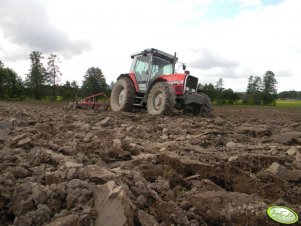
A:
{"x": 218, "y": 94}
{"x": 44, "y": 82}
{"x": 260, "y": 91}
{"x": 294, "y": 95}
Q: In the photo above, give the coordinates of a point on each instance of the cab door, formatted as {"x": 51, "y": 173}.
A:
{"x": 141, "y": 68}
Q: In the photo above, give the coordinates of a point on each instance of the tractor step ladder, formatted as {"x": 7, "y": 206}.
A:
{"x": 139, "y": 104}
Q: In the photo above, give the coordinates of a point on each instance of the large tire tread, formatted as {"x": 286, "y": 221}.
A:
{"x": 130, "y": 94}
{"x": 168, "y": 107}
{"x": 205, "y": 109}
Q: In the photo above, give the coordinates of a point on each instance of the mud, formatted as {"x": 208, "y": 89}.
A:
{"x": 81, "y": 167}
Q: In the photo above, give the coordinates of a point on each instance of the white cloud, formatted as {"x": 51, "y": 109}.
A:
{"x": 248, "y": 3}
{"x": 263, "y": 39}
{"x": 26, "y": 24}
{"x": 260, "y": 38}
{"x": 207, "y": 59}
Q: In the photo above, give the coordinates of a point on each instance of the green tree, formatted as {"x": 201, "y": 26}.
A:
{"x": 74, "y": 84}
{"x": 219, "y": 84}
{"x": 14, "y": 85}
{"x": 53, "y": 71}
{"x": 67, "y": 91}
{"x": 230, "y": 96}
{"x": 2, "y": 79}
{"x": 112, "y": 84}
{"x": 219, "y": 87}
{"x": 37, "y": 74}
{"x": 209, "y": 90}
{"x": 75, "y": 89}
{"x": 254, "y": 88}
{"x": 94, "y": 81}
{"x": 10, "y": 83}
{"x": 70, "y": 90}
{"x": 269, "y": 92}
{"x": 292, "y": 94}
{"x": 110, "y": 87}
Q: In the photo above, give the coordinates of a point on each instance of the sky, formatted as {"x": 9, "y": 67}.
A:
{"x": 229, "y": 39}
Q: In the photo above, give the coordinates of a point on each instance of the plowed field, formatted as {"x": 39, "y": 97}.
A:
{"x": 85, "y": 167}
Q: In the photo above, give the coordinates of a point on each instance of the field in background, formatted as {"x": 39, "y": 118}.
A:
{"x": 293, "y": 104}
{"x": 288, "y": 103}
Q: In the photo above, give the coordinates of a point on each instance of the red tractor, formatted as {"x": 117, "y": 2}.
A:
{"x": 152, "y": 82}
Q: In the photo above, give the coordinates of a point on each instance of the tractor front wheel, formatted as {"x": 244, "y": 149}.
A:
{"x": 161, "y": 99}
{"x": 123, "y": 95}
{"x": 205, "y": 109}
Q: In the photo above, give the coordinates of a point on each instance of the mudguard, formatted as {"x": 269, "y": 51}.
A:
{"x": 193, "y": 98}
{"x": 132, "y": 77}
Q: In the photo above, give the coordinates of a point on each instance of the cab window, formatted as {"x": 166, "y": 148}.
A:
{"x": 141, "y": 68}
{"x": 161, "y": 67}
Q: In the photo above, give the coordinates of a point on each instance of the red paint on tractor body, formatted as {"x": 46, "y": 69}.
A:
{"x": 174, "y": 77}
{"x": 133, "y": 77}
{"x": 177, "y": 82}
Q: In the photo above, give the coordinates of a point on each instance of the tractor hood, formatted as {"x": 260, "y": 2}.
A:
{"x": 181, "y": 82}
{"x": 179, "y": 77}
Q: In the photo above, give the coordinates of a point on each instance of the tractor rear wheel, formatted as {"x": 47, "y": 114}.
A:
{"x": 205, "y": 109}
{"x": 123, "y": 95}
{"x": 161, "y": 99}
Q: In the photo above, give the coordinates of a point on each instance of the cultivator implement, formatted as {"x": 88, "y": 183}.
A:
{"x": 93, "y": 102}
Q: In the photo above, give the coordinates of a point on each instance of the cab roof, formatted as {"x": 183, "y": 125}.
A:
{"x": 156, "y": 52}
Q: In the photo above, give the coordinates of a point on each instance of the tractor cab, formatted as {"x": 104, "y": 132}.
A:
{"x": 150, "y": 64}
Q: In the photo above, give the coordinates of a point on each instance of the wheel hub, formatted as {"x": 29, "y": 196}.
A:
{"x": 121, "y": 96}
{"x": 158, "y": 101}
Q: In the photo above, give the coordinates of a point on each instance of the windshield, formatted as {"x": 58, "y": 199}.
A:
{"x": 161, "y": 67}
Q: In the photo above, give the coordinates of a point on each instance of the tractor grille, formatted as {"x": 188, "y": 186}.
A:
{"x": 191, "y": 83}
{"x": 179, "y": 89}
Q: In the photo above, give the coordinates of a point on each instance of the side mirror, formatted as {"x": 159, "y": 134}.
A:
{"x": 184, "y": 67}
